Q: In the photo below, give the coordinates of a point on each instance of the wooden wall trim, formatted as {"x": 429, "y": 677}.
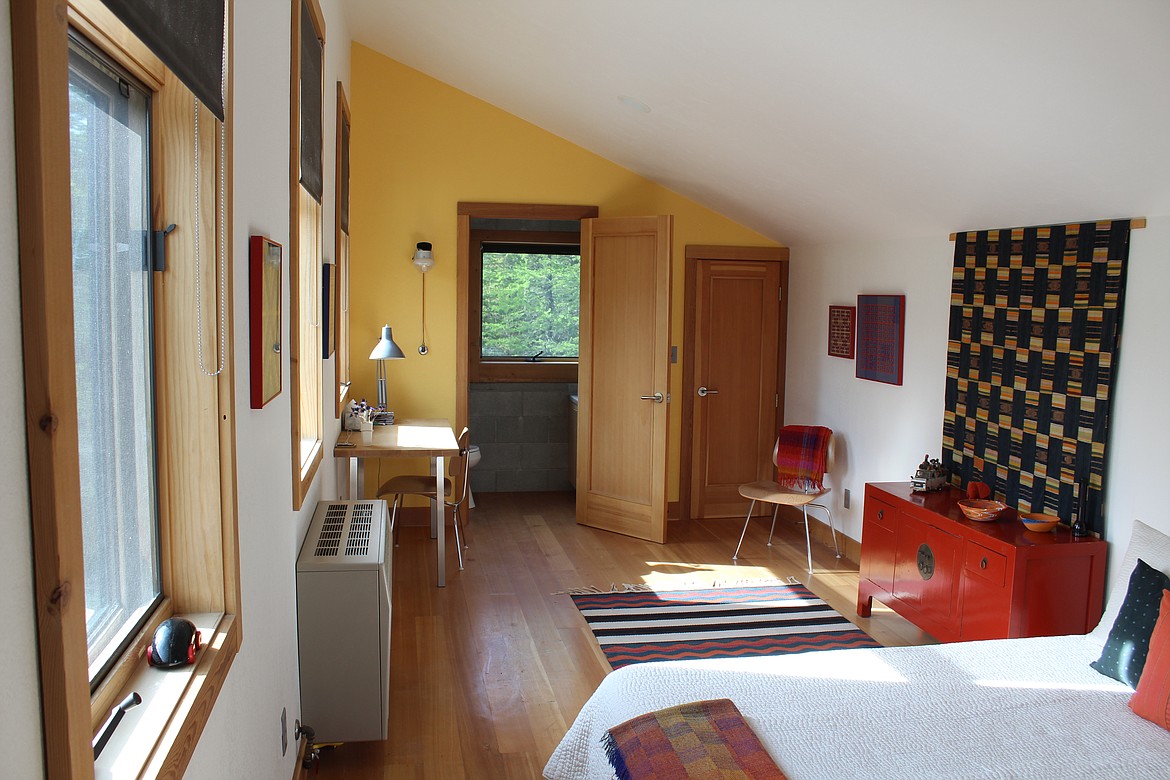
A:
{"x": 524, "y": 211}
{"x": 727, "y": 252}
{"x": 40, "y": 98}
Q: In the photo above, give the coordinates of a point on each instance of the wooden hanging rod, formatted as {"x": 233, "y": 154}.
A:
{"x": 1134, "y": 224}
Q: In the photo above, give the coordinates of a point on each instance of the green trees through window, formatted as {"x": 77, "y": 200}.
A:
{"x": 531, "y": 301}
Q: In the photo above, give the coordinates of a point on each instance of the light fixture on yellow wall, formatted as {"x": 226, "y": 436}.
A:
{"x": 424, "y": 260}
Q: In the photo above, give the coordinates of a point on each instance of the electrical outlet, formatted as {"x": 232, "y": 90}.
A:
{"x": 283, "y": 730}
{"x": 846, "y": 498}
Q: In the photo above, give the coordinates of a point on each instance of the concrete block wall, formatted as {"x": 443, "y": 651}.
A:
{"x": 522, "y": 429}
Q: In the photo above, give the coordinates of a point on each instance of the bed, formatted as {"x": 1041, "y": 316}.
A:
{"x": 1027, "y": 708}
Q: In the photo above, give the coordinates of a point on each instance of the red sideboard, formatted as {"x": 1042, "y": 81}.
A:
{"x": 958, "y": 579}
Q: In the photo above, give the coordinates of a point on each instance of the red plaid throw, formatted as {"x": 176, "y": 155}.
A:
{"x": 703, "y": 740}
{"x": 802, "y": 457}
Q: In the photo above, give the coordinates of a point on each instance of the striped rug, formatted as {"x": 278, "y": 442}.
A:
{"x": 715, "y": 623}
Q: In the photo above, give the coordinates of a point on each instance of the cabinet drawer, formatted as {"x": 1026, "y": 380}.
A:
{"x": 879, "y": 513}
{"x": 985, "y": 564}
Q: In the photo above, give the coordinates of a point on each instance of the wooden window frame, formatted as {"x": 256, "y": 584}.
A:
{"x": 341, "y": 258}
{"x": 305, "y": 258}
{"x": 508, "y": 369}
{"x": 198, "y": 539}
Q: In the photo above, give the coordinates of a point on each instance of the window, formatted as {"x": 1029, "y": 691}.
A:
{"x": 131, "y": 437}
{"x": 531, "y": 299}
{"x": 305, "y": 249}
{"x": 520, "y": 265}
{"x": 109, "y": 165}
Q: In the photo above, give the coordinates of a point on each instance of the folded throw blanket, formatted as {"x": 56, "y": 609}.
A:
{"x": 703, "y": 740}
{"x": 802, "y": 453}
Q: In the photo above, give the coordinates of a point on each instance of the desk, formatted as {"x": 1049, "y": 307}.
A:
{"x": 432, "y": 439}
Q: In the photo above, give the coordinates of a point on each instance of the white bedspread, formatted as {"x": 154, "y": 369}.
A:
{"x": 1018, "y": 708}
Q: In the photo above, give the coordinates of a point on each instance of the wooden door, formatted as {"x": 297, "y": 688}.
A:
{"x": 624, "y": 375}
{"x": 734, "y": 384}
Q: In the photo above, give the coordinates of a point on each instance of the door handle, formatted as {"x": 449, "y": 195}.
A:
{"x": 704, "y": 392}
{"x": 656, "y": 398}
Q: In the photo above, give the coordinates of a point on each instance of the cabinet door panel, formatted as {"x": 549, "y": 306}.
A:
{"x": 877, "y": 551}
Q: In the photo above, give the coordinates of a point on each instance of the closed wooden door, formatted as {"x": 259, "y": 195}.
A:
{"x": 624, "y": 375}
{"x": 735, "y": 387}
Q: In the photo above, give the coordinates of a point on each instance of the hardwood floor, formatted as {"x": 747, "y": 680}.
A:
{"x": 488, "y": 672}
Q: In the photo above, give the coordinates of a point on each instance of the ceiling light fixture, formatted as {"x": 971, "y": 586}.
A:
{"x": 634, "y": 103}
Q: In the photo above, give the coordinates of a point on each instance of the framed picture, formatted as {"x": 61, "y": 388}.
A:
{"x": 881, "y": 326}
{"x": 264, "y": 277}
{"x": 328, "y": 327}
{"x": 841, "y": 331}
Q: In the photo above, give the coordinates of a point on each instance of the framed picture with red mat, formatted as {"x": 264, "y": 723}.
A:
{"x": 841, "y": 332}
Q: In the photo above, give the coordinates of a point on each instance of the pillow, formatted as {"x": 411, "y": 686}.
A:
{"x": 1152, "y": 699}
{"x": 1124, "y": 654}
{"x": 1151, "y": 546}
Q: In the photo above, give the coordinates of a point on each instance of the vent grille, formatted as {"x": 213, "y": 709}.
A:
{"x": 358, "y": 540}
{"x": 329, "y": 540}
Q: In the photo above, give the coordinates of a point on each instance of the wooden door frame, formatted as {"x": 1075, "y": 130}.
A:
{"x": 465, "y": 212}
{"x": 696, "y": 253}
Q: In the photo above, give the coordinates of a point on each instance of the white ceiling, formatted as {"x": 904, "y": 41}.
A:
{"x": 829, "y": 120}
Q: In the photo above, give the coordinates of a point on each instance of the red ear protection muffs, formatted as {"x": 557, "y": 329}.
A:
{"x": 176, "y": 640}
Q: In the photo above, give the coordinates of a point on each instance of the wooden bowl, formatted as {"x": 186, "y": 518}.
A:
{"x": 1039, "y": 523}
{"x": 981, "y": 509}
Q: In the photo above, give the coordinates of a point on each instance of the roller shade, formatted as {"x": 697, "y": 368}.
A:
{"x": 312, "y": 102}
{"x": 187, "y": 36}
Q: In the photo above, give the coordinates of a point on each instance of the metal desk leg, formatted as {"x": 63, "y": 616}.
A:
{"x": 437, "y": 513}
{"x": 349, "y": 478}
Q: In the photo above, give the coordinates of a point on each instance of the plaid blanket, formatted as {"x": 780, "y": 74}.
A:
{"x": 703, "y": 740}
{"x": 802, "y": 457}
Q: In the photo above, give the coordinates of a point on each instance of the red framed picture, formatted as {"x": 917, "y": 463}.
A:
{"x": 881, "y": 330}
{"x": 841, "y": 331}
{"x": 264, "y": 279}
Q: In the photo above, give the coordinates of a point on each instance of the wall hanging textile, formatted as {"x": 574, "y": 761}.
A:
{"x": 1034, "y": 332}
{"x": 186, "y": 36}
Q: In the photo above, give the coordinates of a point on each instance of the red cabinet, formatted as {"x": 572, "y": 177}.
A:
{"x": 958, "y": 579}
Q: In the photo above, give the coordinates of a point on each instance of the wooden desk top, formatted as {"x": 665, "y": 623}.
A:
{"x": 408, "y": 438}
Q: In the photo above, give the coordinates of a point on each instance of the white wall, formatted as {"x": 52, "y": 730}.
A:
{"x": 20, "y": 704}
{"x": 887, "y": 429}
{"x": 242, "y": 738}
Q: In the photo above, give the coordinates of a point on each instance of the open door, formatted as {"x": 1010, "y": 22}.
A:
{"x": 624, "y": 375}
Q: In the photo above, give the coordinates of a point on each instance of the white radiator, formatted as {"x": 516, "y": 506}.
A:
{"x": 343, "y": 621}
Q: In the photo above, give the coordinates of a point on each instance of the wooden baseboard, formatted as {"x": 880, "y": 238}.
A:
{"x": 299, "y": 771}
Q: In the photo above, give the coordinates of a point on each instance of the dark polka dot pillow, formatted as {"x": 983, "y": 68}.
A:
{"x": 1124, "y": 655}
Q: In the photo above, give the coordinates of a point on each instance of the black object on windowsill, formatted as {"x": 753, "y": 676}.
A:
{"x": 107, "y": 729}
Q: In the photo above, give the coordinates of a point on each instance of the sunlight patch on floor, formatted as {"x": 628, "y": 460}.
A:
{"x": 675, "y": 574}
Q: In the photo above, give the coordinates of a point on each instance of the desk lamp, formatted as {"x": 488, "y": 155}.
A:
{"x": 385, "y": 350}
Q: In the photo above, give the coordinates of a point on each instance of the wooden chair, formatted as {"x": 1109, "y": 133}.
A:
{"x": 424, "y": 485}
{"x": 776, "y": 494}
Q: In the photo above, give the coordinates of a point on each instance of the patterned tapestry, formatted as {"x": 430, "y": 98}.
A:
{"x": 1034, "y": 333}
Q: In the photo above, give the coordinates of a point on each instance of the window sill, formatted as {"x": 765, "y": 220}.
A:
{"x": 158, "y": 737}
{"x": 524, "y": 371}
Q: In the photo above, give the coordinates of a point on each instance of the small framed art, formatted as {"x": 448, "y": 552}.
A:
{"x": 881, "y": 330}
{"x": 264, "y": 272}
{"x": 328, "y": 328}
{"x": 841, "y": 331}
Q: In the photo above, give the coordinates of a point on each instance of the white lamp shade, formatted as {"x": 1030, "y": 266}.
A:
{"x": 386, "y": 349}
{"x": 424, "y": 258}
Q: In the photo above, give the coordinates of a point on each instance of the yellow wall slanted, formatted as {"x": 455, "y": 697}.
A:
{"x": 419, "y": 147}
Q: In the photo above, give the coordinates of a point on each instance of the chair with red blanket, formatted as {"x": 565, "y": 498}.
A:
{"x": 803, "y": 455}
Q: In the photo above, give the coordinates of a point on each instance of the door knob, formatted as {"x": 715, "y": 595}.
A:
{"x": 656, "y": 398}
{"x": 704, "y": 392}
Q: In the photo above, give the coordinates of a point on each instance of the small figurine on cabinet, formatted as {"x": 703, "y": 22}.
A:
{"x": 930, "y": 476}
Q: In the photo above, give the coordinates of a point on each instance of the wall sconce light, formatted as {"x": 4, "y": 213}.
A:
{"x": 385, "y": 350}
{"x": 424, "y": 260}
